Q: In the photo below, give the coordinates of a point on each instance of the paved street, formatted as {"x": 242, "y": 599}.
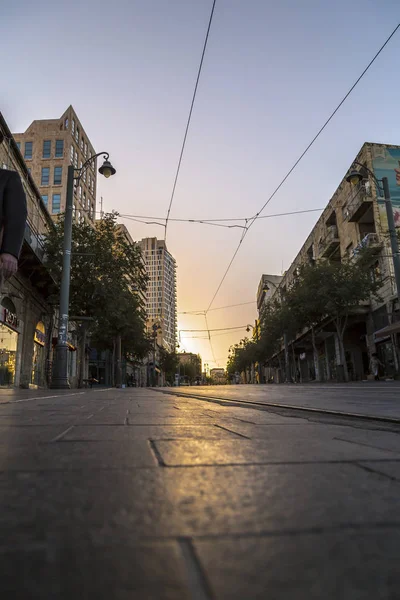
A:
{"x": 136, "y": 493}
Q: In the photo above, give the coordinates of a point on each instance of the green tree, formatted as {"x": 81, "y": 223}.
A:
{"x": 332, "y": 291}
{"x": 107, "y": 278}
{"x": 169, "y": 363}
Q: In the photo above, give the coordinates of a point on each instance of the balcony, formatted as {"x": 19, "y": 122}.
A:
{"x": 330, "y": 243}
{"x": 371, "y": 240}
{"x": 360, "y": 203}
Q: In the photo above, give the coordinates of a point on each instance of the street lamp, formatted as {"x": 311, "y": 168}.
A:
{"x": 60, "y": 365}
{"x": 285, "y": 335}
{"x": 355, "y": 178}
{"x": 156, "y": 328}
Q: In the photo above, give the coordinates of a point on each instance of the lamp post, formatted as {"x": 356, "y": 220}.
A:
{"x": 355, "y": 178}
{"x": 285, "y": 339}
{"x": 60, "y": 365}
{"x": 156, "y": 328}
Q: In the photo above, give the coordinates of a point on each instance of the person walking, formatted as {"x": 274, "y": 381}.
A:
{"x": 13, "y": 215}
{"x": 375, "y": 363}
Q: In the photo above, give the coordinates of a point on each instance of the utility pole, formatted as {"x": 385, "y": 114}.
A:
{"x": 119, "y": 361}
{"x": 393, "y": 235}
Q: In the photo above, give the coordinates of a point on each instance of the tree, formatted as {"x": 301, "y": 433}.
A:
{"x": 107, "y": 278}
{"x": 332, "y": 291}
{"x": 169, "y": 363}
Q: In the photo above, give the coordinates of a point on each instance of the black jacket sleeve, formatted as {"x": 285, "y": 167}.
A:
{"x": 14, "y": 215}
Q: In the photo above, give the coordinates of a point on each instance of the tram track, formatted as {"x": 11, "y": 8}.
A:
{"x": 287, "y": 407}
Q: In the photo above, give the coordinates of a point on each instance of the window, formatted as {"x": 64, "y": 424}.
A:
{"x": 84, "y": 175}
{"x": 77, "y": 135}
{"x": 80, "y": 192}
{"x": 85, "y": 150}
{"x": 29, "y": 171}
{"x": 59, "y": 148}
{"x": 74, "y": 212}
{"x": 66, "y": 123}
{"x": 57, "y": 175}
{"x": 56, "y": 205}
{"x": 46, "y": 149}
{"x": 84, "y": 199}
{"x": 45, "y": 198}
{"x": 19, "y": 145}
{"x": 73, "y": 127}
{"x": 76, "y": 160}
{"x": 45, "y": 176}
{"x": 28, "y": 150}
{"x": 72, "y": 155}
{"x": 82, "y": 144}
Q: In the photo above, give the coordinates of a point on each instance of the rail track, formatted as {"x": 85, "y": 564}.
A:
{"x": 285, "y": 407}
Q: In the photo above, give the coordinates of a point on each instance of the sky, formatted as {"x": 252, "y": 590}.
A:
{"x": 272, "y": 74}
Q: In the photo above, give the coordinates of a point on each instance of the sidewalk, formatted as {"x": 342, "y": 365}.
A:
{"x": 125, "y": 494}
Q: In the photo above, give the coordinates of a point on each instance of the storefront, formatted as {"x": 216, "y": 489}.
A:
{"x": 9, "y": 332}
{"x": 39, "y": 355}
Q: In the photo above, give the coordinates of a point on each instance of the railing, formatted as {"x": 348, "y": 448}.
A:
{"x": 34, "y": 240}
{"x": 330, "y": 239}
{"x": 368, "y": 241}
{"x": 363, "y": 196}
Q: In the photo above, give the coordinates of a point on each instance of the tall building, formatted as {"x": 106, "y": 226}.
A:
{"x": 49, "y": 146}
{"x": 161, "y": 291}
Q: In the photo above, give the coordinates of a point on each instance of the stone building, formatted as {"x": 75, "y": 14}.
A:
{"x": 27, "y": 309}
{"x": 49, "y": 146}
{"x": 161, "y": 291}
{"x": 355, "y": 218}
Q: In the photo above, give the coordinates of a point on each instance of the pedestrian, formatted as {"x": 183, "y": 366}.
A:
{"x": 13, "y": 215}
{"x": 375, "y": 363}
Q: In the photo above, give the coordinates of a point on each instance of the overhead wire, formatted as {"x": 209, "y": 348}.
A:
{"x": 257, "y": 215}
{"x": 189, "y": 119}
{"x": 154, "y": 220}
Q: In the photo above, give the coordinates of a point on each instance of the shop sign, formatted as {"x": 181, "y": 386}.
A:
{"x": 40, "y": 334}
{"x": 11, "y": 319}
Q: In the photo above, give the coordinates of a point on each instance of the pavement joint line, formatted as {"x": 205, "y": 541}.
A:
{"x": 39, "y": 398}
{"x": 61, "y": 435}
{"x": 232, "y": 431}
{"x": 317, "y": 530}
{"x": 199, "y": 586}
{"x": 376, "y": 472}
{"x": 367, "y": 445}
{"x": 156, "y": 453}
{"x": 90, "y": 416}
{"x": 242, "y": 403}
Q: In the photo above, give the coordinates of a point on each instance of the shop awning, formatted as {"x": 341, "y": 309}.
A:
{"x": 387, "y": 331}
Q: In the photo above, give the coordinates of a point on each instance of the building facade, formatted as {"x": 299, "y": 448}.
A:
{"x": 49, "y": 146}
{"x": 266, "y": 288}
{"x": 161, "y": 301}
{"x": 27, "y": 309}
{"x": 353, "y": 219}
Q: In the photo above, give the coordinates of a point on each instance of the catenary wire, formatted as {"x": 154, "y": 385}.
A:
{"x": 201, "y": 312}
{"x": 189, "y": 119}
{"x": 257, "y": 215}
{"x": 143, "y": 219}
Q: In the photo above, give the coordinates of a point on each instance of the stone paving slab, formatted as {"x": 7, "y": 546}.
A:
{"x": 105, "y": 511}
{"x": 132, "y": 431}
{"x": 77, "y": 455}
{"x": 220, "y": 452}
{"x": 72, "y": 567}
{"x": 345, "y": 565}
{"x": 197, "y": 501}
{"x": 390, "y": 469}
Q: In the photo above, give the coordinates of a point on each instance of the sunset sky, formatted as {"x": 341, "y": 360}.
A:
{"x": 273, "y": 72}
